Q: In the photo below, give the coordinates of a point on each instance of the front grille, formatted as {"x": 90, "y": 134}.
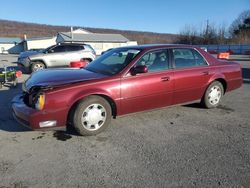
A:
{"x": 31, "y": 96}
{"x": 28, "y": 99}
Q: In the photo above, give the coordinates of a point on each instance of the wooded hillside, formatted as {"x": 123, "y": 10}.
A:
{"x": 18, "y": 29}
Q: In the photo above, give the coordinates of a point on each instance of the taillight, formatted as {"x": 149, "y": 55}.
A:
{"x": 18, "y": 74}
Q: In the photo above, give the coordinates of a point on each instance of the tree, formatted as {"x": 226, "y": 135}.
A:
{"x": 222, "y": 34}
{"x": 208, "y": 34}
{"x": 189, "y": 35}
{"x": 240, "y": 28}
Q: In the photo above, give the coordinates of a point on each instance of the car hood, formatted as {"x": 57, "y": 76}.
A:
{"x": 50, "y": 78}
{"x": 27, "y": 54}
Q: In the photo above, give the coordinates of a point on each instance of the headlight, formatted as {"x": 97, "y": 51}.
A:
{"x": 27, "y": 59}
{"x": 40, "y": 101}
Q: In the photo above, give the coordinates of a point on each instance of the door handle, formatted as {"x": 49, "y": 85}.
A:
{"x": 167, "y": 78}
{"x": 205, "y": 73}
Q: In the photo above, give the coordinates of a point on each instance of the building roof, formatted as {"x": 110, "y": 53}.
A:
{"x": 92, "y": 37}
{"x": 40, "y": 38}
{"x": 82, "y": 31}
{"x": 9, "y": 40}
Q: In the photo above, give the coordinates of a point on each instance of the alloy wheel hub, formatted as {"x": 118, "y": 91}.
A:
{"x": 38, "y": 67}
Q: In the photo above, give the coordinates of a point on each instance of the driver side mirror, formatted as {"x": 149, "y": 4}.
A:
{"x": 139, "y": 69}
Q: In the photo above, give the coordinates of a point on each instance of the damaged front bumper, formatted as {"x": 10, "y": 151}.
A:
{"x": 32, "y": 118}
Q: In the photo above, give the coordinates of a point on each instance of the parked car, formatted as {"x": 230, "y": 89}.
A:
{"x": 23, "y": 55}
{"x": 5, "y": 52}
{"x": 56, "y": 56}
{"x": 122, "y": 81}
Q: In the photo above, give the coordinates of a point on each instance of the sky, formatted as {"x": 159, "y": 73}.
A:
{"x": 162, "y": 16}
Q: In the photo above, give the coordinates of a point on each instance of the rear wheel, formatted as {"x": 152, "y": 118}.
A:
{"x": 92, "y": 115}
{"x": 213, "y": 95}
{"x": 86, "y": 60}
{"x": 36, "y": 66}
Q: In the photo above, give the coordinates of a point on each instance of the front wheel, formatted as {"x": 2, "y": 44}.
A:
{"x": 92, "y": 115}
{"x": 213, "y": 95}
{"x": 36, "y": 66}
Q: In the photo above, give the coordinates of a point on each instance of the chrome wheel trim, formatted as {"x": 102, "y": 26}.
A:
{"x": 214, "y": 95}
{"x": 93, "y": 117}
{"x": 38, "y": 66}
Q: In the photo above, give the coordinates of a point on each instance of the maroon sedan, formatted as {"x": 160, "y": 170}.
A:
{"x": 122, "y": 81}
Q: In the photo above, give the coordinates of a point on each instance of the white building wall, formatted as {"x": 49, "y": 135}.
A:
{"x": 132, "y": 43}
{"x": 5, "y": 46}
{"x": 103, "y": 46}
{"x": 40, "y": 43}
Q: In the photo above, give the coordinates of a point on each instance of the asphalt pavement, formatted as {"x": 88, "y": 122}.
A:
{"x": 180, "y": 146}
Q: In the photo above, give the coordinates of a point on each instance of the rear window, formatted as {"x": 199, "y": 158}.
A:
{"x": 90, "y": 47}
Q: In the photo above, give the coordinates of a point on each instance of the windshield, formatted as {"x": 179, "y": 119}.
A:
{"x": 113, "y": 61}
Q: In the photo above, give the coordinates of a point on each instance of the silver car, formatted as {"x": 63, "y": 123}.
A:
{"x": 57, "y": 56}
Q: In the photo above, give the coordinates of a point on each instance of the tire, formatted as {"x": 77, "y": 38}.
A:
{"x": 86, "y": 60}
{"x": 92, "y": 116}
{"x": 213, "y": 95}
{"x": 36, "y": 66}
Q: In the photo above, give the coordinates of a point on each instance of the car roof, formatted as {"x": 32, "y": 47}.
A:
{"x": 71, "y": 44}
{"x": 156, "y": 46}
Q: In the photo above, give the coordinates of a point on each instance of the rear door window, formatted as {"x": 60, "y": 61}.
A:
{"x": 72, "y": 48}
{"x": 58, "y": 49}
{"x": 187, "y": 58}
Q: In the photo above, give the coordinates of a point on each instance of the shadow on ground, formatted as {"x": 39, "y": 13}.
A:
{"x": 194, "y": 105}
{"x": 7, "y": 122}
{"x": 65, "y": 135}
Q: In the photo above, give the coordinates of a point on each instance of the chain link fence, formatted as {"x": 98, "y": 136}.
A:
{"x": 232, "y": 49}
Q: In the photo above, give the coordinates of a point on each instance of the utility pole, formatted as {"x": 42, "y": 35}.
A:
{"x": 206, "y": 32}
{"x": 71, "y": 32}
{"x": 207, "y": 27}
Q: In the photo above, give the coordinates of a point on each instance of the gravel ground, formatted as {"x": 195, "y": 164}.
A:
{"x": 181, "y": 146}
